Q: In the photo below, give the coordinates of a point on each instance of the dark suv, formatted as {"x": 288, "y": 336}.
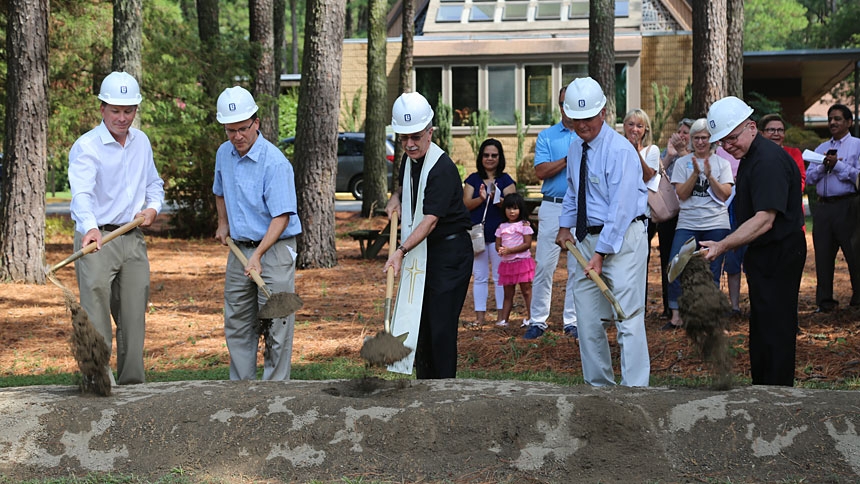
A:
{"x": 350, "y": 161}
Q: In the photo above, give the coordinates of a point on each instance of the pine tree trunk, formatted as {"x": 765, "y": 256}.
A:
{"x": 280, "y": 25}
{"x": 263, "y": 58}
{"x": 210, "y": 42}
{"x": 22, "y": 207}
{"x": 601, "y": 50}
{"x": 294, "y": 43}
{"x": 375, "y": 183}
{"x": 407, "y": 46}
{"x": 127, "y": 40}
{"x": 316, "y": 131}
{"x": 709, "y": 55}
{"x": 735, "y": 48}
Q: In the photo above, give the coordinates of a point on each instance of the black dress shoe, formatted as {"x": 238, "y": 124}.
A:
{"x": 669, "y": 326}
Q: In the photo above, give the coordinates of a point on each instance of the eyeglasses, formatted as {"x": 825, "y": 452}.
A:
{"x": 242, "y": 131}
{"x": 701, "y": 139}
{"x": 414, "y": 137}
{"x": 733, "y": 138}
{"x": 774, "y": 130}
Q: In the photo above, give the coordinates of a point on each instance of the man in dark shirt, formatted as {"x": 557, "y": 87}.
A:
{"x": 768, "y": 207}
{"x": 435, "y": 241}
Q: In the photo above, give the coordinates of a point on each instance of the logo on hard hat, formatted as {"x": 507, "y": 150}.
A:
{"x": 712, "y": 124}
{"x": 581, "y": 103}
{"x": 232, "y": 107}
{"x": 407, "y": 117}
{"x": 123, "y": 89}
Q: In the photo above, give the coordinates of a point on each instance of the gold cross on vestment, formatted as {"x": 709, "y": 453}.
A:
{"x": 414, "y": 271}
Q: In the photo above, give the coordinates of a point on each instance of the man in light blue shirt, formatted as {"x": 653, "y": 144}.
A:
{"x": 606, "y": 201}
{"x": 255, "y": 196}
{"x": 551, "y": 150}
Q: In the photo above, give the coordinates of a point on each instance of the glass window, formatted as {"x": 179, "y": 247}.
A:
{"x": 548, "y": 11}
{"x": 464, "y": 94}
{"x": 538, "y": 94}
{"x": 569, "y": 72}
{"x": 502, "y": 88}
{"x": 515, "y": 11}
{"x": 578, "y": 9}
{"x": 428, "y": 82}
{"x": 449, "y": 13}
{"x": 482, "y": 13}
{"x": 622, "y": 9}
{"x": 620, "y": 92}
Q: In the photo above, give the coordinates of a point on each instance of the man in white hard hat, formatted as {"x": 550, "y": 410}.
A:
{"x": 550, "y": 161}
{"x": 603, "y": 215}
{"x": 768, "y": 209}
{"x": 834, "y": 219}
{"x": 114, "y": 180}
{"x": 255, "y": 195}
{"x": 435, "y": 245}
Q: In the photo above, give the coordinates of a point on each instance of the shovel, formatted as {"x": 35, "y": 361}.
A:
{"x": 679, "y": 262}
{"x": 594, "y": 276}
{"x": 92, "y": 246}
{"x": 385, "y": 348}
{"x": 279, "y": 304}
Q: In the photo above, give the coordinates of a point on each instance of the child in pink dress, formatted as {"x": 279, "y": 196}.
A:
{"x": 517, "y": 266}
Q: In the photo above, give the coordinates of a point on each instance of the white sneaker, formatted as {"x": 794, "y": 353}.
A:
{"x": 526, "y": 323}
{"x": 502, "y": 324}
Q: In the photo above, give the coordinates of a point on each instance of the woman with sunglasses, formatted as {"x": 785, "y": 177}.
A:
{"x": 480, "y": 191}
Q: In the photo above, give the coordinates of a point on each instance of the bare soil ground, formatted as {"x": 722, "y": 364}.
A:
{"x": 409, "y": 431}
{"x": 343, "y": 304}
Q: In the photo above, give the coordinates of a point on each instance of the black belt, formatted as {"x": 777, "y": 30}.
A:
{"x": 110, "y": 228}
{"x": 254, "y": 243}
{"x": 594, "y": 230}
{"x": 836, "y": 198}
{"x": 547, "y": 198}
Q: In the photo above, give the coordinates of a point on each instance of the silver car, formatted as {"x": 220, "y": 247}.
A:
{"x": 350, "y": 161}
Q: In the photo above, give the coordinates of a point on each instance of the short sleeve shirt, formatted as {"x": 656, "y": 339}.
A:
{"x": 768, "y": 179}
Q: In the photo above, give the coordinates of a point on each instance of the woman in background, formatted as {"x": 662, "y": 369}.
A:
{"x": 488, "y": 185}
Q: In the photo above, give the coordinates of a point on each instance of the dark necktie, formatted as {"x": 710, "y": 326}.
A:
{"x": 581, "y": 213}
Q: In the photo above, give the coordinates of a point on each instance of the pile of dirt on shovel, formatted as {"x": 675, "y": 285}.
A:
{"x": 705, "y": 312}
{"x": 383, "y": 349}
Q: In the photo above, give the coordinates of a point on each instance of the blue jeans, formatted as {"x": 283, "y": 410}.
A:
{"x": 681, "y": 236}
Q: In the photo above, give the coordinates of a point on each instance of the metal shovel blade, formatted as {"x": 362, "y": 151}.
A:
{"x": 679, "y": 262}
{"x": 280, "y": 305}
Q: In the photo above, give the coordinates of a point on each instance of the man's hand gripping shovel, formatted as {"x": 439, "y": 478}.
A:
{"x": 594, "y": 276}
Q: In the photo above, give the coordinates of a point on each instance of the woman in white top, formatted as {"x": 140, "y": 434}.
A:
{"x": 703, "y": 182}
{"x": 637, "y": 129}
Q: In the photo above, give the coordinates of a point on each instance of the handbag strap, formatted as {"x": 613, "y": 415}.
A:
{"x": 485, "y": 208}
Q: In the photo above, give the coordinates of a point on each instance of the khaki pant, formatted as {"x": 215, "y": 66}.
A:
{"x": 115, "y": 282}
{"x": 243, "y": 298}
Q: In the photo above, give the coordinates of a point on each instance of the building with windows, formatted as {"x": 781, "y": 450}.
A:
{"x": 513, "y": 56}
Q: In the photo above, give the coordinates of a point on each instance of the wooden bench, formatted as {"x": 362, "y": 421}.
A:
{"x": 366, "y": 240}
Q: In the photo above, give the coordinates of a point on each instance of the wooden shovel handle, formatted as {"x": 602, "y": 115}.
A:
{"x": 392, "y": 246}
{"x": 92, "y": 245}
{"x": 244, "y": 260}
{"x": 594, "y": 276}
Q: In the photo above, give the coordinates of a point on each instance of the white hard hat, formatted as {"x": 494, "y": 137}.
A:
{"x": 120, "y": 89}
{"x": 725, "y": 115}
{"x": 235, "y": 104}
{"x": 583, "y": 98}
{"x": 411, "y": 113}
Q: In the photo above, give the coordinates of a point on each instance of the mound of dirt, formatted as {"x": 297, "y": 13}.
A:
{"x": 431, "y": 431}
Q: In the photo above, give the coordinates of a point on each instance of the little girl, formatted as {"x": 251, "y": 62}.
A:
{"x": 517, "y": 266}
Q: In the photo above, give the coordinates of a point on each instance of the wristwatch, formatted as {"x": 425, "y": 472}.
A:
{"x": 602, "y": 254}
{"x": 402, "y": 249}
